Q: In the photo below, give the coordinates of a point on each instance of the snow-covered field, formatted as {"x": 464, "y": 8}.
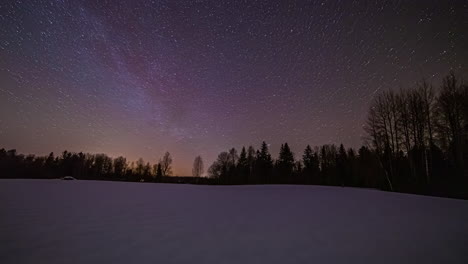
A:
{"x": 53, "y": 221}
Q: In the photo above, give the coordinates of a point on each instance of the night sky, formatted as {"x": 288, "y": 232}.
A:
{"x": 138, "y": 78}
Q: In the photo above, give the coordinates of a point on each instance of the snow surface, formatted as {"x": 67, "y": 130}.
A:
{"x": 54, "y": 221}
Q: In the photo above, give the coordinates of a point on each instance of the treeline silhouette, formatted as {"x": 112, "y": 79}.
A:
{"x": 416, "y": 143}
{"x": 87, "y": 166}
{"x": 79, "y": 165}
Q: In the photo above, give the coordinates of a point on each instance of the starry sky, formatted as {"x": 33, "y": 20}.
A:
{"x": 138, "y": 78}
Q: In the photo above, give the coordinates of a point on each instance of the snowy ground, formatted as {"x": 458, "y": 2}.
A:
{"x": 53, "y": 221}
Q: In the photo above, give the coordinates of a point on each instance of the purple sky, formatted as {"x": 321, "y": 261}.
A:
{"x": 138, "y": 78}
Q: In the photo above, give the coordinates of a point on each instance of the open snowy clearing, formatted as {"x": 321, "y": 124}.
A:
{"x": 53, "y": 221}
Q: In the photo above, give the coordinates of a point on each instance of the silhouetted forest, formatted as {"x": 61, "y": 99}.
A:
{"x": 416, "y": 142}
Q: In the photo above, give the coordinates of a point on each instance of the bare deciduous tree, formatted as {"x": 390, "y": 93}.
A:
{"x": 198, "y": 169}
{"x": 166, "y": 162}
{"x": 451, "y": 104}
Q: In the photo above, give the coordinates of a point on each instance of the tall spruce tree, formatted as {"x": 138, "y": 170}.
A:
{"x": 251, "y": 157}
{"x": 311, "y": 166}
{"x": 159, "y": 173}
{"x": 243, "y": 166}
{"x": 341, "y": 164}
{"x": 285, "y": 163}
{"x": 264, "y": 164}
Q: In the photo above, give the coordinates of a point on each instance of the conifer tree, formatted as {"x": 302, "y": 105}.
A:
{"x": 159, "y": 173}
{"x": 264, "y": 164}
{"x": 285, "y": 163}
